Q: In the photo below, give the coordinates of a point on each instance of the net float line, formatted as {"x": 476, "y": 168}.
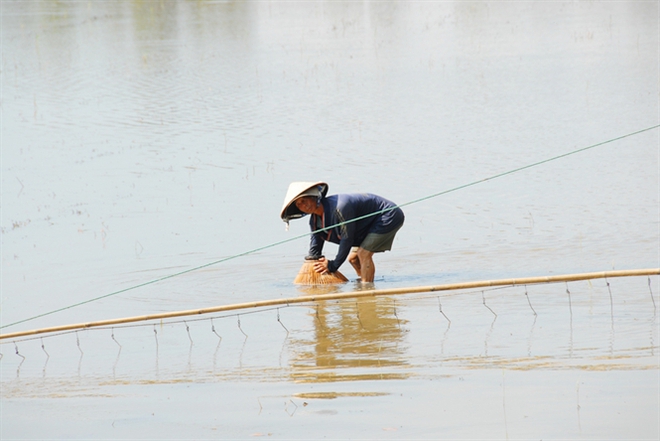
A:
{"x": 339, "y": 296}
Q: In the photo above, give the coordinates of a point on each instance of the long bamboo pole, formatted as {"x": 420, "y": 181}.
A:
{"x": 338, "y": 296}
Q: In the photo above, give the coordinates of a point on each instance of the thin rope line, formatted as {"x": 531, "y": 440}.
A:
{"x": 235, "y": 256}
{"x": 150, "y": 282}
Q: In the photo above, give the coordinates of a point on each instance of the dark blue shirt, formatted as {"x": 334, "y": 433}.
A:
{"x": 340, "y": 208}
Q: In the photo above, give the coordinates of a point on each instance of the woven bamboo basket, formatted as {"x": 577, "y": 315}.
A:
{"x": 308, "y": 276}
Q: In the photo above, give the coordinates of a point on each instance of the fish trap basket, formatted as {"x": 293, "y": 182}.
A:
{"x": 308, "y": 276}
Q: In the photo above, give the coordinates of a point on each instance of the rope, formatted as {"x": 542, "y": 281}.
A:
{"x": 274, "y": 244}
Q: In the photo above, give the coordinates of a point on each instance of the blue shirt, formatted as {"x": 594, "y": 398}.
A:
{"x": 340, "y": 208}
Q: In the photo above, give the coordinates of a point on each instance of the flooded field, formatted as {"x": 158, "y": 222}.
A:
{"x": 147, "y": 147}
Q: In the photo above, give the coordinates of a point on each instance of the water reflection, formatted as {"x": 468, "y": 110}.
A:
{"x": 353, "y": 340}
{"x": 313, "y": 290}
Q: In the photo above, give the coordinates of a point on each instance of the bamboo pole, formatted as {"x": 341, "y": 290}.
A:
{"x": 338, "y": 296}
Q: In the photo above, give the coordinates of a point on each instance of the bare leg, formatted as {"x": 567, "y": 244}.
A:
{"x": 367, "y": 267}
{"x": 355, "y": 262}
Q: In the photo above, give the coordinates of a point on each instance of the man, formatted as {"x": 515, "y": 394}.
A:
{"x": 367, "y": 225}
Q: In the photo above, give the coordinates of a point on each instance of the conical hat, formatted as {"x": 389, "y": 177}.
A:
{"x": 297, "y": 190}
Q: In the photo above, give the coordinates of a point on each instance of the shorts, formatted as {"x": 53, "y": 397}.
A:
{"x": 378, "y": 243}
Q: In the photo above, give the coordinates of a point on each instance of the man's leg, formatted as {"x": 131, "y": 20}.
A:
{"x": 355, "y": 262}
{"x": 367, "y": 267}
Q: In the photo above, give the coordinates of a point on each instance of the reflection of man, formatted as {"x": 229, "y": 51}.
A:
{"x": 358, "y": 240}
{"x": 361, "y": 339}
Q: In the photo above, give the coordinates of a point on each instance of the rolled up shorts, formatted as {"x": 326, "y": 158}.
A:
{"x": 378, "y": 243}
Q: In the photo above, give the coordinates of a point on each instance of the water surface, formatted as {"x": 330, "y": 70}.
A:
{"x": 141, "y": 139}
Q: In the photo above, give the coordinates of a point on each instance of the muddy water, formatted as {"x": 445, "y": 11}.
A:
{"x": 142, "y": 139}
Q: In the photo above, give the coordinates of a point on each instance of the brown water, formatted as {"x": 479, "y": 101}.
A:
{"x": 141, "y": 139}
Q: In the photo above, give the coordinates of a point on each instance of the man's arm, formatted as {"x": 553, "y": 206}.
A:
{"x": 343, "y": 213}
{"x": 316, "y": 245}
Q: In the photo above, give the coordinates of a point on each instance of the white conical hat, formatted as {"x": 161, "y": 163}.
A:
{"x": 297, "y": 190}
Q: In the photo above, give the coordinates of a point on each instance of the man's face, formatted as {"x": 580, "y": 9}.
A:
{"x": 306, "y": 204}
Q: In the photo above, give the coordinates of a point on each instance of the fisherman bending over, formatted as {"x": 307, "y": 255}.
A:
{"x": 358, "y": 240}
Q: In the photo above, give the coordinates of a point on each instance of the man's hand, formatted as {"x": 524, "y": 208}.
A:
{"x": 321, "y": 266}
